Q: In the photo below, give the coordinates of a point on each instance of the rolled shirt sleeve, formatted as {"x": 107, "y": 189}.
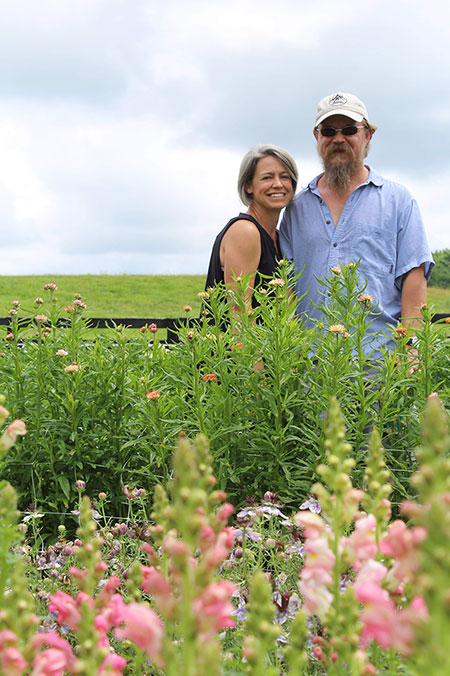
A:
{"x": 380, "y": 227}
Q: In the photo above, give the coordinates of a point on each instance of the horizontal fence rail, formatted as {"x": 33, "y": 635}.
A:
{"x": 171, "y": 324}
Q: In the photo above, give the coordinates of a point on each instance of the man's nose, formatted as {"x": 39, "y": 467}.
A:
{"x": 339, "y": 135}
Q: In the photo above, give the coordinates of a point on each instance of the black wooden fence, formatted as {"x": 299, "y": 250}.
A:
{"x": 171, "y": 324}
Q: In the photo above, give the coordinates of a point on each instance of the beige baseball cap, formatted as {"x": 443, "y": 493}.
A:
{"x": 340, "y": 103}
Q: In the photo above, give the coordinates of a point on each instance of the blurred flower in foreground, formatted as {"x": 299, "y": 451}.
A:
{"x": 9, "y": 436}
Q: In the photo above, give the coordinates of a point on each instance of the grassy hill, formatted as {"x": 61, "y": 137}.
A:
{"x": 110, "y": 295}
{"x": 131, "y": 295}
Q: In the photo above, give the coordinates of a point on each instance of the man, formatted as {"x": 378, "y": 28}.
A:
{"x": 351, "y": 213}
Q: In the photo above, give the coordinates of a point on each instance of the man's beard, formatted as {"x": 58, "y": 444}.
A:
{"x": 338, "y": 176}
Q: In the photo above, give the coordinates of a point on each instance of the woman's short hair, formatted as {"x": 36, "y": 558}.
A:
{"x": 251, "y": 159}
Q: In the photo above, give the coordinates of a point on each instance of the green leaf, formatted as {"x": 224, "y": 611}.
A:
{"x": 65, "y": 485}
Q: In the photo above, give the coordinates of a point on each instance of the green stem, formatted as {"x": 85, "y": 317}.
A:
{"x": 187, "y": 622}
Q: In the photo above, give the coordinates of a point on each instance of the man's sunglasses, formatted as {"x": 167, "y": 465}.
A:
{"x": 351, "y": 130}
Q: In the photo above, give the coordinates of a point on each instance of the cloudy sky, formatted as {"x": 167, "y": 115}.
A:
{"x": 123, "y": 122}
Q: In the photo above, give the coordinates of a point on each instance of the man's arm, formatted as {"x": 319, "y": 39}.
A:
{"x": 414, "y": 295}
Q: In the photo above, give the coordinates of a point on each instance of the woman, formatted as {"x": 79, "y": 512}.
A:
{"x": 248, "y": 244}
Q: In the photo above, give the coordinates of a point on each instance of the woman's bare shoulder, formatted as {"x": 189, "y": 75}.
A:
{"x": 242, "y": 228}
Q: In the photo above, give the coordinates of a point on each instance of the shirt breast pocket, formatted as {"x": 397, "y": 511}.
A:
{"x": 375, "y": 248}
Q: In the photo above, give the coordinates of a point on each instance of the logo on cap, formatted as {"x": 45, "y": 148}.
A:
{"x": 337, "y": 100}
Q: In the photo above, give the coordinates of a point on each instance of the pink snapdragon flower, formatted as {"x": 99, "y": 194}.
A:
{"x": 401, "y": 543}
{"x": 319, "y": 555}
{"x": 113, "y": 665}
{"x": 66, "y": 608}
{"x": 59, "y": 653}
{"x": 313, "y": 525}
{"x": 157, "y": 586}
{"x": 7, "y": 636}
{"x": 175, "y": 547}
{"x": 220, "y": 549}
{"x": 224, "y": 512}
{"x": 76, "y": 572}
{"x": 386, "y": 625}
{"x": 410, "y": 621}
{"x": 12, "y": 662}
{"x": 319, "y": 561}
{"x": 317, "y": 597}
{"x": 350, "y": 504}
{"x": 378, "y": 616}
{"x": 111, "y": 614}
{"x": 361, "y": 544}
{"x": 9, "y": 436}
{"x": 214, "y": 609}
{"x": 315, "y": 577}
{"x": 50, "y": 662}
{"x": 108, "y": 589}
{"x": 143, "y": 627}
{"x": 371, "y": 571}
{"x": 207, "y": 537}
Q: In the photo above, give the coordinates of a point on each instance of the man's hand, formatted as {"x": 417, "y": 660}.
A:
{"x": 413, "y": 359}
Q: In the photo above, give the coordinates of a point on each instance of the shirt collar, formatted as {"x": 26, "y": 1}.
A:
{"x": 373, "y": 177}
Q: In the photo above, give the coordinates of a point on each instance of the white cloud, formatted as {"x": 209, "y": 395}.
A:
{"x": 29, "y": 199}
{"x": 431, "y": 194}
{"x": 242, "y": 25}
{"x": 122, "y": 124}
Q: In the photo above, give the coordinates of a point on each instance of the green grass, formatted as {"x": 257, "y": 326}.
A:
{"x": 439, "y": 298}
{"x": 131, "y": 295}
{"x": 110, "y": 295}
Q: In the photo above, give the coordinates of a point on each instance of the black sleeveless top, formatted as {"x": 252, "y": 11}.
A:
{"x": 267, "y": 263}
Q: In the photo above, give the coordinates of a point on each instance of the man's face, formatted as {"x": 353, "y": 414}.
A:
{"x": 342, "y": 150}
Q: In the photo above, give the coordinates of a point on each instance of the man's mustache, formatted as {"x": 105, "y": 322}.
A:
{"x": 338, "y": 147}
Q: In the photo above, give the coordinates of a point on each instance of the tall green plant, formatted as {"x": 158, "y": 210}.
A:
{"x": 257, "y": 386}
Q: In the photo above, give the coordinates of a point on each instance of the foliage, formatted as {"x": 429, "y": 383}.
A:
{"x": 374, "y": 597}
{"x": 108, "y": 410}
{"x": 441, "y": 271}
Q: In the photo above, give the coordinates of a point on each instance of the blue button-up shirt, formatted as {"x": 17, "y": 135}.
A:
{"x": 380, "y": 226}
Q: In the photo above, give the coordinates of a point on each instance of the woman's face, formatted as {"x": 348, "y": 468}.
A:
{"x": 271, "y": 185}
